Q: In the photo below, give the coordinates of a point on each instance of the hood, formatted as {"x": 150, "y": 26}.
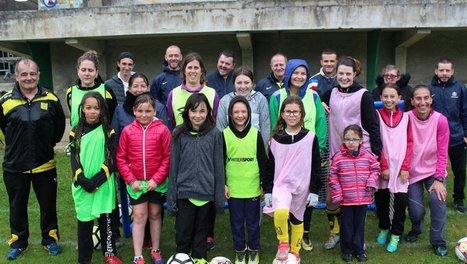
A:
{"x": 437, "y": 82}
{"x": 166, "y": 69}
{"x": 403, "y": 81}
{"x": 248, "y": 122}
{"x": 290, "y": 68}
{"x": 348, "y": 153}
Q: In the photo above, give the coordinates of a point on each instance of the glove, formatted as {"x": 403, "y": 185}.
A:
{"x": 312, "y": 200}
{"x": 85, "y": 183}
{"x": 268, "y": 199}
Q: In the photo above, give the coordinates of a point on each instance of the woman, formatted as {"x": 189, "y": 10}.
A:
{"x": 392, "y": 75}
{"x": 244, "y": 83}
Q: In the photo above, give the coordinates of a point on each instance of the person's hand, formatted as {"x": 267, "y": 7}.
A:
{"x": 439, "y": 189}
{"x": 152, "y": 185}
{"x": 312, "y": 200}
{"x": 326, "y": 107}
{"x": 385, "y": 175}
{"x": 136, "y": 186}
{"x": 370, "y": 189}
{"x": 86, "y": 184}
{"x": 404, "y": 175}
{"x": 268, "y": 199}
{"x": 226, "y": 192}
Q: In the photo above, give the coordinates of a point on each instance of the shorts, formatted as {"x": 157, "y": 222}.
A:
{"x": 151, "y": 197}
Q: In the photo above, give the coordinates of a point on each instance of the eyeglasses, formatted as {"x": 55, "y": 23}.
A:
{"x": 390, "y": 76}
{"x": 289, "y": 113}
{"x": 352, "y": 140}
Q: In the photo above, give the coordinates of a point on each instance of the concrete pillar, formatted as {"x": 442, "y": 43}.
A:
{"x": 244, "y": 41}
{"x": 407, "y": 39}
{"x": 373, "y": 53}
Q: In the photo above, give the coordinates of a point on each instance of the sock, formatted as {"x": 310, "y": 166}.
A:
{"x": 333, "y": 218}
{"x": 296, "y": 237}
{"x": 305, "y": 234}
{"x": 137, "y": 257}
{"x": 281, "y": 219}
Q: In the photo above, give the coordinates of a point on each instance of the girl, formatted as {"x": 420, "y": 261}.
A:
{"x": 349, "y": 103}
{"x": 244, "y": 83}
{"x": 391, "y": 74}
{"x": 395, "y": 163}
{"x": 145, "y": 139}
{"x": 93, "y": 187}
{"x": 293, "y": 176}
{"x": 197, "y": 176}
{"x": 245, "y": 161}
{"x": 353, "y": 179}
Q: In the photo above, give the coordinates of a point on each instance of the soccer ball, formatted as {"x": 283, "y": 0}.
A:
{"x": 96, "y": 237}
{"x": 180, "y": 258}
{"x": 130, "y": 213}
{"x": 220, "y": 260}
{"x": 461, "y": 249}
{"x": 291, "y": 259}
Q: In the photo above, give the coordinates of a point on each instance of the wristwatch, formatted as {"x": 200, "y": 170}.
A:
{"x": 440, "y": 179}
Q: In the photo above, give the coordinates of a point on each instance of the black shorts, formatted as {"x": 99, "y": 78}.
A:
{"x": 151, "y": 197}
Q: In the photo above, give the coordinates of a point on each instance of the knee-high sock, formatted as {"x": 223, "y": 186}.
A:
{"x": 296, "y": 237}
{"x": 333, "y": 219}
{"x": 281, "y": 223}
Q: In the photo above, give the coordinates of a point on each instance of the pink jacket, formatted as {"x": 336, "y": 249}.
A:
{"x": 144, "y": 154}
{"x": 350, "y": 176}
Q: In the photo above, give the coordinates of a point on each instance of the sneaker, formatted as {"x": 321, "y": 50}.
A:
{"x": 139, "y": 260}
{"x": 15, "y": 253}
{"x": 306, "y": 244}
{"x": 393, "y": 243}
{"x": 253, "y": 257}
{"x": 282, "y": 251}
{"x": 411, "y": 237}
{"x": 347, "y": 257}
{"x": 459, "y": 204}
{"x": 200, "y": 261}
{"x": 297, "y": 257}
{"x": 382, "y": 237}
{"x": 156, "y": 257}
{"x": 362, "y": 257}
{"x": 440, "y": 250}
{"x": 210, "y": 243}
{"x": 112, "y": 260}
{"x": 240, "y": 257}
{"x": 333, "y": 239}
{"x": 53, "y": 248}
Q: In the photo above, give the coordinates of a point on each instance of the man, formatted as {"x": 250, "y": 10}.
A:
{"x": 325, "y": 79}
{"x": 169, "y": 78}
{"x": 221, "y": 80}
{"x": 119, "y": 82}
{"x": 275, "y": 80}
{"x": 450, "y": 99}
{"x": 31, "y": 123}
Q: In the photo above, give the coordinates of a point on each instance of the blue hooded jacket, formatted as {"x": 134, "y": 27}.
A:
{"x": 289, "y": 69}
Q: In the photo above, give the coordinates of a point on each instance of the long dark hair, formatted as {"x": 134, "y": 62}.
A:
{"x": 104, "y": 113}
{"x": 280, "y": 127}
{"x": 191, "y": 104}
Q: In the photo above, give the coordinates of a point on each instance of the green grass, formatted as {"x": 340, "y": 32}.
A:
{"x": 420, "y": 252}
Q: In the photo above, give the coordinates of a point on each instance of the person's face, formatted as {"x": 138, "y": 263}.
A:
{"x": 390, "y": 98}
{"x": 278, "y": 66}
{"x": 91, "y": 110}
{"x": 422, "y": 101}
{"x": 193, "y": 72}
{"x": 225, "y": 65}
{"x": 391, "y": 76}
{"x": 126, "y": 66}
{"x": 345, "y": 76}
{"x": 329, "y": 63}
{"x": 173, "y": 56}
{"x": 352, "y": 140}
{"x": 198, "y": 115}
{"x": 243, "y": 85}
{"x": 87, "y": 73}
{"x": 444, "y": 71}
{"x": 138, "y": 86}
{"x": 144, "y": 113}
{"x": 292, "y": 116}
{"x": 239, "y": 115}
{"x": 298, "y": 77}
{"x": 28, "y": 76}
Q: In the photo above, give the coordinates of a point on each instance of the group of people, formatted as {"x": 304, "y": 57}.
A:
{"x": 196, "y": 140}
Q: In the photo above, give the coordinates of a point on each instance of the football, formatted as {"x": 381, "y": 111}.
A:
{"x": 96, "y": 237}
{"x": 461, "y": 249}
{"x": 220, "y": 260}
{"x": 291, "y": 259}
{"x": 180, "y": 258}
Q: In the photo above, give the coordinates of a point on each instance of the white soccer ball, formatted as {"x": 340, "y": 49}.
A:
{"x": 130, "y": 213}
{"x": 180, "y": 258}
{"x": 291, "y": 259}
{"x": 461, "y": 249}
{"x": 220, "y": 260}
{"x": 96, "y": 237}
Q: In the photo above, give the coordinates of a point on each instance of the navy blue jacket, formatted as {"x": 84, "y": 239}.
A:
{"x": 116, "y": 85}
{"x": 268, "y": 85}
{"x": 164, "y": 82}
{"x": 222, "y": 85}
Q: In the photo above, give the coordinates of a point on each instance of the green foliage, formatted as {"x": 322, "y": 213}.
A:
{"x": 420, "y": 252}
